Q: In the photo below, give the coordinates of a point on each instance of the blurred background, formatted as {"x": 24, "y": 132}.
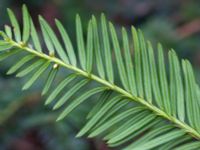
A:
{"x": 26, "y": 124}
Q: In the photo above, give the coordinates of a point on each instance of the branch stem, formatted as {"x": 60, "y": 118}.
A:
{"x": 114, "y": 87}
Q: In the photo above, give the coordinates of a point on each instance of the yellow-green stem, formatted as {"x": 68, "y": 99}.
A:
{"x": 148, "y": 105}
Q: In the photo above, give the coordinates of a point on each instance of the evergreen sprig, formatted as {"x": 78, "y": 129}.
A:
{"x": 148, "y": 108}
